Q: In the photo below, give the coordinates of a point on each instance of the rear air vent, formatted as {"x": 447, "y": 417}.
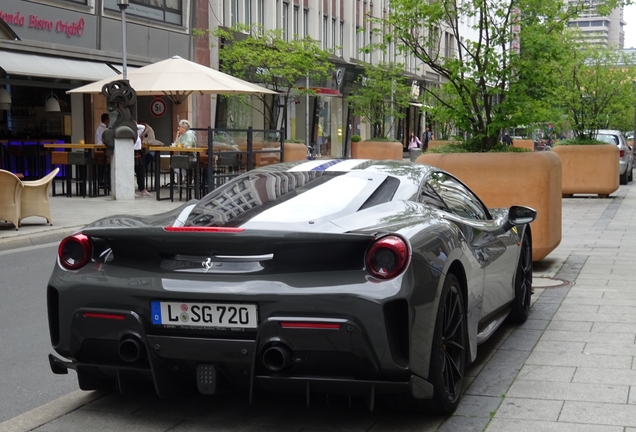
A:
{"x": 396, "y": 317}
{"x": 53, "y": 305}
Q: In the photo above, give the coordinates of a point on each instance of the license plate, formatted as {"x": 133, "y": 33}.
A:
{"x": 203, "y": 315}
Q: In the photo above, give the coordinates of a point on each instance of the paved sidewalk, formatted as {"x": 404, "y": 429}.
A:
{"x": 571, "y": 367}
{"x": 70, "y": 214}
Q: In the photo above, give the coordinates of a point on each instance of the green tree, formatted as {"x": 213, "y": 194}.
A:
{"x": 596, "y": 90}
{"x": 505, "y": 76}
{"x": 267, "y": 58}
{"x": 381, "y": 94}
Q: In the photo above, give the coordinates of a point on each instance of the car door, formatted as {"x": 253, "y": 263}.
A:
{"x": 494, "y": 250}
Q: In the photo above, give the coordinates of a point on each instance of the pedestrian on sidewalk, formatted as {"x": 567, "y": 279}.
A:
{"x": 414, "y": 142}
{"x": 140, "y": 163}
{"x": 426, "y": 138}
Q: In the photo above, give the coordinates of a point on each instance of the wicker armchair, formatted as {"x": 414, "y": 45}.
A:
{"x": 35, "y": 197}
{"x": 10, "y": 194}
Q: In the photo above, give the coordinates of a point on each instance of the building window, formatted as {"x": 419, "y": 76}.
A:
{"x": 325, "y": 24}
{"x": 296, "y": 24}
{"x": 260, "y": 13}
{"x": 357, "y": 42}
{"x": 248, "y": 12}
{"x": 277, "y": 14}
{"x": 234, "y": 12}
{"x": 169, "y": 11}
{"x": 286, "y": 21}
{"x": 597, "y": 23}
{"x": 305, "y": 23}
{"x": 341, "y": 38}
{"x": 333, "y": 35}
{"x": 370, "y": 45}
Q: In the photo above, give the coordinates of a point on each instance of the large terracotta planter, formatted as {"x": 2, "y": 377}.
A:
{"x": 507, "y": 179}
{"x": 526, "y": 144}
{"x": 439, "y": 143}
{"x": 377, "y": 150}
{"x": 294, "y": 152}
{"x": 589, "y": 169}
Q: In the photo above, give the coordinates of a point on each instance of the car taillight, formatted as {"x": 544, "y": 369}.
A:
{"x": 622, "y": 153}
{"x": 387, "y": 257}
{"x": 75, "y": 251}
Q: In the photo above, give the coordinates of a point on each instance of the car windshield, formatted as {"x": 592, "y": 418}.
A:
{"x": 610, "y": 139}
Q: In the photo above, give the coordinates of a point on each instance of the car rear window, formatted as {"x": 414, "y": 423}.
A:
{"x": 610, "y": 139}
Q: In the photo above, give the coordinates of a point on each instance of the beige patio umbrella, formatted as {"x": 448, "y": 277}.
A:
{"x": 177, "y": 78}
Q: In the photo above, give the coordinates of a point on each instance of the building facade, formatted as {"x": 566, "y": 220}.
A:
{"x": 607, "y": 31}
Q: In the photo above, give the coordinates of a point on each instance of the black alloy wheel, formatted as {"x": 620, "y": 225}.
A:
{"x": 523, "y": 283}
{"x": 448, "y": 355}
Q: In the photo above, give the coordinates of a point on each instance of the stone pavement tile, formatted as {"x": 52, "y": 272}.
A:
{"x": 508, "y": 425}
{"x": 574, "y": 336}
{"x": 615, "y": 309}
{"x": 599, "y": 413}
{"x": 620, "y": 295}
{"x": 118, "y": 403}
{"x": 402, "y": 422}
{"x": 605, "y": 376}
{"x": 575, "y": 294}
{"x": 496, "y": 376}
{"x": 579, "y": 360}
{"x": 601, "y": 301}
{"x": 463, "y": 424}
{"x": 478, "y": 406}
{"x": 596, "y": 317}
{"x": 578, "y": 326}
{"x": 521, "y": 339}
{"x": 546, "y": 373}
{"x": 560, "y": 347}
{"x": 199, "y": 426}
{"x": 95, "y": 421}
{"x": 569, "y": 391}
{"x": 614, "y": 328}
{"x": 534, "y": 324}
{"x": 610, "y": 348}
{"x": 579, "y": 308}
{"x": 529, "y": 409}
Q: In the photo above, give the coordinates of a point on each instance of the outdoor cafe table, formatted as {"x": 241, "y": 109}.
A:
{"x": 159, "y": 149}
{"x": 91, "y": 148}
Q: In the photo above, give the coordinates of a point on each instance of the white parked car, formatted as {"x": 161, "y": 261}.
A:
{"x": 626, "y": 154}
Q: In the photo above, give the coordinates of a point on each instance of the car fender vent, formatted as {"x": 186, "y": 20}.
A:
{"x": 53, "y": 309}
{"x": 396, "y": 318}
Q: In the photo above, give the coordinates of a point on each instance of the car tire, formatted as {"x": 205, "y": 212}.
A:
{"x": 622, "y": 178}
{"x": 630, "y": 174}
{"x": 448, "y": 356}
{"x": 520, "y": 307}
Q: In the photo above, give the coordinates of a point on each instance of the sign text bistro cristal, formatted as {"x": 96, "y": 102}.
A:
{"x": 75, "y": 28}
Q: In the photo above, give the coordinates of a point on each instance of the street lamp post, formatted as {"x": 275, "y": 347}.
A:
{"x": 123, "y": 4}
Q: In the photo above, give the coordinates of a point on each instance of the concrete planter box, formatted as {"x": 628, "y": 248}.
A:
{"x": 377, "y": 150}
{"x": 589, "y": 169}
{"x": 526, "y": 144}
{"x": 507, "y": 179}
{"x": 294, "y": 152}
{"x": 439, "y": 143}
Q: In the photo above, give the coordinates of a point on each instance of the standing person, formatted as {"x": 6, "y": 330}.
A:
{"x": 428, "y": 136}
{"x": 140, "y": 164}
{"x": 506, "y": 139}
{"x": 319, "y": 139}
{"x": 414, "y": 142}
{"x": 101, "y": 128}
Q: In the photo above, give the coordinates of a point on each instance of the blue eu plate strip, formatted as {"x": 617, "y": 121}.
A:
{"x": 155, "y": 310}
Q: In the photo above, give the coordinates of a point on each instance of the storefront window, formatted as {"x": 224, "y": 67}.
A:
{"x": 170, "y": 11}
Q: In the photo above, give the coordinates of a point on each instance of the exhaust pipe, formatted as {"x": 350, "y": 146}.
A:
{"x": 131, "y": 349}
{"x": 278, "y": 358}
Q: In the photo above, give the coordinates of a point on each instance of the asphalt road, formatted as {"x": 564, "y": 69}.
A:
{"x": 27, "y": 381}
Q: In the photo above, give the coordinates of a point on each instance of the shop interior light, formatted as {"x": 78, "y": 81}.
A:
{"x": 52, "y": 103}
{"x": 5, "y": 99}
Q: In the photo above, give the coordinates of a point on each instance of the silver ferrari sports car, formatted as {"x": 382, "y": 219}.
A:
{"x": 351, "y": 277}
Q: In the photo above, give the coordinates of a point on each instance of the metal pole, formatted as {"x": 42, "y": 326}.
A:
{"x": 307, "y": 113}
{"x": 123, "y": 4}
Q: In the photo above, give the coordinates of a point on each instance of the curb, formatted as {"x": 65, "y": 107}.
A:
{"x": 37, "y": 239}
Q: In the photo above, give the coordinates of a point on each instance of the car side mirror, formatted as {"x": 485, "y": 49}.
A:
{"x": 520, "y": 215}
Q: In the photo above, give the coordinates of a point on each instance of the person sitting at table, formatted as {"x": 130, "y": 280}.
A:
{"x": 101, "y": 128}
{"x": 185, "y": 136}
{"x": 140, "y": 165}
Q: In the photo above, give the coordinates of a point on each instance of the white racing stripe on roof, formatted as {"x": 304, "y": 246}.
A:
{"x": 309, "y": 165}
{"x": 347, "y": 165}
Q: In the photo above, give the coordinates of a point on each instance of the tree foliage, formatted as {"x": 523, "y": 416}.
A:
{"x": 266, "y": 57}
{"x": 382, "y": 93}
{"x": 487, "y": 85}
{"x": 596, "y": 90}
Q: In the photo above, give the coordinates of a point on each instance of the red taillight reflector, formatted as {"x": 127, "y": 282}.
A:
{"x": 75, "y": 251}
{"x": 108, "y": 316}
{"x": 622, "y": 153}
{"x": 310, "y": 325}
{"x": 204, "y": 229}
{"x": 387, "y": 257}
